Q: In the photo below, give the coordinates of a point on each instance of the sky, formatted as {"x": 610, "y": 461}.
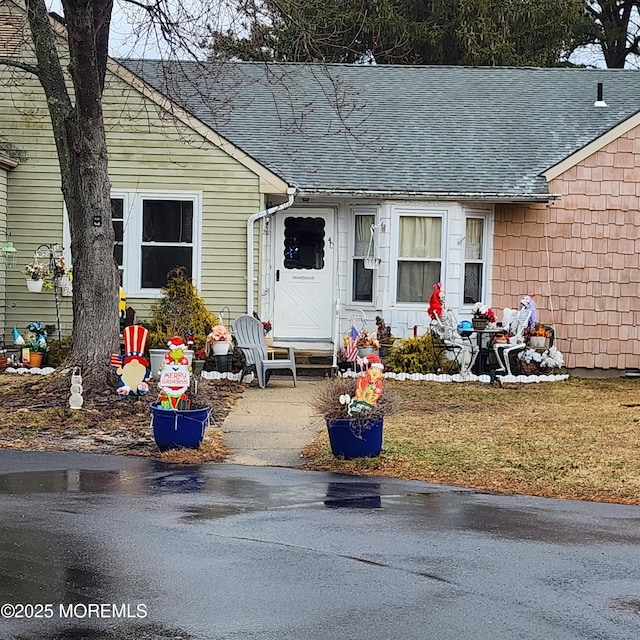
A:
{"x": 130, "y": 35}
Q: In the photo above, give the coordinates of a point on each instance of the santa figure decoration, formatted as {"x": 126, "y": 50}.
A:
{"x": 133, "y": 368}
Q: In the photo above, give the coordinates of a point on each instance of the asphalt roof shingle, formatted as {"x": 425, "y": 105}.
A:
{"x": 401, "y": 129}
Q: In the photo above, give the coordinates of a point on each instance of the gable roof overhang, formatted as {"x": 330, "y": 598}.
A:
{"x": 593, "y": 147}
{"x": 269, "y": 181}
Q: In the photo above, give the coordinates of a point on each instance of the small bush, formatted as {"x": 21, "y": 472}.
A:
{"x": 180, "y": 311}
{"x": 423, "y": 354}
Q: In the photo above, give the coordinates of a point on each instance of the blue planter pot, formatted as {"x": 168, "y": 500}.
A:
{"x": 173, "y": 428}
{"x": 355, "y": 437}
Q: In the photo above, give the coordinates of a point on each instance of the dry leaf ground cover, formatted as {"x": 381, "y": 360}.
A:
{"x": 576, "y": 439}
{"x": 33, "y": 416}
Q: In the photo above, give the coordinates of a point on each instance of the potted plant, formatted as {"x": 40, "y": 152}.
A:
{"x": 175, "y": 418}
{"x": 199, "y": 358}
{"x": 354, "y": 411}
{"x": 536, "y": 362}
{"x": 266, "y": 325}
{"x": 62, "y": 276}
{"x": 482, "y": 316}
{"x": 366, "y": 343}
{"x": 538, "y": 336}
{"x": 36, "y": 343}
{"x": 37, "y": 274}
{"x": 218, "y": 341}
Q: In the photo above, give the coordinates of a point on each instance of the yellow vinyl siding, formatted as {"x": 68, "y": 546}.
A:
{"x": 3, "y": 230}
{"x": 148, "y": 151}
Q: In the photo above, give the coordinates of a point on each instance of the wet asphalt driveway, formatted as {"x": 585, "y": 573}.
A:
{"x": 100, "y": 547}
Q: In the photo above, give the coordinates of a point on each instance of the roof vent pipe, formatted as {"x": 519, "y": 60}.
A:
{"x": 600, "y": 101}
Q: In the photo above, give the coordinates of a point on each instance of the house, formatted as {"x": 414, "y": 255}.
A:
{"x": 499, "y": 182}
{"x": 274, "y": 184}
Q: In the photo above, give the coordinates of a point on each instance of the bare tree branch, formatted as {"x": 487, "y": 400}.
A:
{"x": 19, "y": 64}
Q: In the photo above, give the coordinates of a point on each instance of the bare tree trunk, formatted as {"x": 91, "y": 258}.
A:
{"x": 82, "y": 151}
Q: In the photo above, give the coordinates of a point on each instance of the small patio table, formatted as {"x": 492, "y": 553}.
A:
{"x": 484, "y": 336}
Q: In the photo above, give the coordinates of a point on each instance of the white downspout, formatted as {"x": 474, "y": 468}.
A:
{"x": 291, "y": 192}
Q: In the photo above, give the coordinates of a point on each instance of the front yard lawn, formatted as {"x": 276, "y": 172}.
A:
{"x": 577, "y": 439}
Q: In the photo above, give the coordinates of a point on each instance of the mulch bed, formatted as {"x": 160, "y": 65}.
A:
{"x": 35, "y": 415}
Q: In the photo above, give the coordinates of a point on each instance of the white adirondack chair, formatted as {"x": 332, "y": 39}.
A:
{"x": 249, "y": 334}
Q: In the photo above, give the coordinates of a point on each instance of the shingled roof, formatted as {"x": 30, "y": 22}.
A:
{"x": 486, "y": 132}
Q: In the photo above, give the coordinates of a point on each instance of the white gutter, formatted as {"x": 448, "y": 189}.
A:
{"x": 432, "y": 195}
{"x": 291, "y": 192}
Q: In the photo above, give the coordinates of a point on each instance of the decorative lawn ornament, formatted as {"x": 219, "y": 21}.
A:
{"x": 174, "y": 423}
{"x": 434, "y": 311}
{"x": 368, "y": 388}
{"x": 175, "y": 376}
{"x": 18, "y": 340}
{"x": 122, "y": 307}
{"x": 75, "y": 399}
{"x": 133, "y": 367}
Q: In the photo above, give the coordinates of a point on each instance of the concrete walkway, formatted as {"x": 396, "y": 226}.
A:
{"x": 270, "y": 427}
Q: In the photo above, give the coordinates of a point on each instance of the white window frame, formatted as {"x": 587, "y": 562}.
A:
{"x": 422, "y": 212}
{"x": 362, "y": 211}
{"x": 126, "y": 219}
{"x": 487, "y": 249}
{"x": 132, "y": 237}
{"x": 476, "y": 215}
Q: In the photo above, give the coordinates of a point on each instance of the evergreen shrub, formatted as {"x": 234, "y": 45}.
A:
{"x": 422, "y": 354}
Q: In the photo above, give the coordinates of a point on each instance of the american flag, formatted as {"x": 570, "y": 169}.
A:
{"x": 351, "y": 350}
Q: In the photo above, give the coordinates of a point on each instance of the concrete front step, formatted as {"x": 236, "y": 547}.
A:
{"x": 313, "y": 363}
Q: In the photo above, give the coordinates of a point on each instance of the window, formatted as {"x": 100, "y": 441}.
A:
{"x": 473, "y": 260}
{"x": 167, "y": 240}
{"x": 303, "y": 243}
{"x": 153, "y": 234}
{"x": 419, "y": 257}
{"x": 362, "y": 284}
{"x": 117, "y": 217}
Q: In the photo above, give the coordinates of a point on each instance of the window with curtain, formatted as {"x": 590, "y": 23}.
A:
{"x": 473, "y": 260}
{"x": 362, "y": 285}
{"x": 419, "y": 257}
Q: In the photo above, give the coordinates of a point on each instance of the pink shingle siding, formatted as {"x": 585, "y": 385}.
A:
{"x": 591, "y": 274}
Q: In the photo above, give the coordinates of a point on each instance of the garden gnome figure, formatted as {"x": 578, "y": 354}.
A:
{"x": 368, "y": 387}
{"x": 133, "y": 367}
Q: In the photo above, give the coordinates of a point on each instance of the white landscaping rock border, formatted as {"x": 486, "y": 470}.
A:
{"x": 45, "y": 371}
{"x": 225, "y": 375}
{"x": 207, "y": 375}
{"x": 456, "y": 377}
{"x": 429, "y": 377}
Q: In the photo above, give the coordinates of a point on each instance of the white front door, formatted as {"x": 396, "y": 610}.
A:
{"x": 304, "y": 275}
